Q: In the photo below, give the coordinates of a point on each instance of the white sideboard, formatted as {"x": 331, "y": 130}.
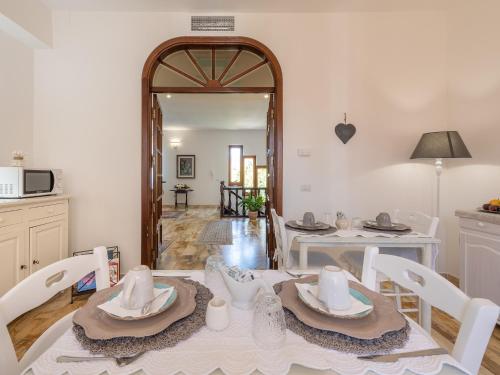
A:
{"x": 33, "y": 234}
{"x": 480, "y": 254}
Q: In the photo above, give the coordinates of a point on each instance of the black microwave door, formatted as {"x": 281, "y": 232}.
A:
{"x": 38, "y": 181}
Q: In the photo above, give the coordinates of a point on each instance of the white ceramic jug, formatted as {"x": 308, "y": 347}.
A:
{"x": 334, "y": 288}
{"x": 137, "y": 288}
{"x": 243, "y": 293}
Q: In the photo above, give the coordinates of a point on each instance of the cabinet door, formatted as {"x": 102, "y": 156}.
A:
{"x": 48, "y": 244}
{"x": 482, "y": 262}
{"x": 13, "y": 258}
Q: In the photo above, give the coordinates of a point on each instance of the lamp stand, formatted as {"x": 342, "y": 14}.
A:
{"x": 439, "y": 168}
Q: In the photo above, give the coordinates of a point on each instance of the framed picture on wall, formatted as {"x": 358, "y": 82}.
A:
{"x": 186, "y": 166}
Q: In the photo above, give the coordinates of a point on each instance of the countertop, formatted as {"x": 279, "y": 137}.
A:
{"x": 6, "y": 203}
{"x": 480, "y": 216}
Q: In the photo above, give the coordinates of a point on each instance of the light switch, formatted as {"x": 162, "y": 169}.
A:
{"x": 305, "y": 187}
{"x": 303, "y": 152}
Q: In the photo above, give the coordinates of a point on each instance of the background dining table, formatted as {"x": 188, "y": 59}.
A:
{"x": 363, "y": 238}
{"x": 198, "y": 357}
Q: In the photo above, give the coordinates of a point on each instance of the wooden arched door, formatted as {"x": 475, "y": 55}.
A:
{"x": 207, "y": 65}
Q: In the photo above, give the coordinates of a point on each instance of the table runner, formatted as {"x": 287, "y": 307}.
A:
{"x": 234, "y": 352}
{"x": 346, "y": 233}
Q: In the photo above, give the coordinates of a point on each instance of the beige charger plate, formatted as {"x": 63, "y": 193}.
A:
{"x": 383, "y": 319}
{"x": 99, "y": 326}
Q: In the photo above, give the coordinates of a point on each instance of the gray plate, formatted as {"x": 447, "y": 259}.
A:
{"x": 396, "y": 227}
{"x": 318, "y": 226}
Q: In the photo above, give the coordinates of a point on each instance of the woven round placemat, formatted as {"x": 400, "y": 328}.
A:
{"x": 343, "y": 343}
{"x": 175, "y": 333}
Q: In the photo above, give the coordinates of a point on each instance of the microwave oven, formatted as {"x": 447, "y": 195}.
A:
{"x": 20, "y": 182}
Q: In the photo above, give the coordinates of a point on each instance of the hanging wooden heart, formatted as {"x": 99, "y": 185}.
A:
{"x": 345, "y": 131}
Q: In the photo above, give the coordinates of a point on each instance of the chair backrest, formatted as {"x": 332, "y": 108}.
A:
{"x": 477, "y": 316}
{"x": 280, "y": 236}
{"x": 42, "y": 285}
{"x": 419, "y": 221}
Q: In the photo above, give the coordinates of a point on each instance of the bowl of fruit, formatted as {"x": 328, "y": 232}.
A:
{"x": 492, "y": 206}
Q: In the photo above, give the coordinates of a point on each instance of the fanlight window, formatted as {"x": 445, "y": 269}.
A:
{"x": 213, "y": 68}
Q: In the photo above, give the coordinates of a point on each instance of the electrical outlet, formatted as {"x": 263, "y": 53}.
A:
{"x": 305, "y": 188}
{"x": 303, "y": 152}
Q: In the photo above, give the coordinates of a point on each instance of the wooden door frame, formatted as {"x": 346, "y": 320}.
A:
{"x": 148, "y": 71}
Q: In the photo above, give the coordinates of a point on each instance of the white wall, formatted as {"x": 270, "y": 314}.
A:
{"x": 211, "y": 150}
{"x": 388, "y": 71}
{"x": 16, "y": 99}
{"x": 474, "y": 110}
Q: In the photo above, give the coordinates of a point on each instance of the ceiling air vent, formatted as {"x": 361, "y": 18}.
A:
{"x": 212, "y": 23}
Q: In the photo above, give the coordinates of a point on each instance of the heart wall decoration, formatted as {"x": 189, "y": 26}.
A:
{"x": 345, "y": 131}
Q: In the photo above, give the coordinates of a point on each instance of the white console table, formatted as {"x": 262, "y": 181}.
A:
{"x": 33, "y": 234}
{"x": 480, "y": 254}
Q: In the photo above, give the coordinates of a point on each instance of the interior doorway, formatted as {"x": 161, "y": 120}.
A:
{"x": 208, "y": 65}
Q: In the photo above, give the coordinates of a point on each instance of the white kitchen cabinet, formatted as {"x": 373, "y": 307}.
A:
{"x": 13, "y": 257}
{"x": 480, "y": 254}
{"x": 48, "y": 243}
{"x": 33, "y": 234}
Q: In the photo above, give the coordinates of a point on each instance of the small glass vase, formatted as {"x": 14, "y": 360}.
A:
{"x": 213, "y": 278}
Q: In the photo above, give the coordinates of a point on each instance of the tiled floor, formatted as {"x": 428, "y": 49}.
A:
{"x": 184, "y": 252}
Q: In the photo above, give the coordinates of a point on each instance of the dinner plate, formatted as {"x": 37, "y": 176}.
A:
{"x": 298, "y": 225}
{"x": 384, "y": 318}
{"x": 397, "y": 227}
{"x": 361, "y": 304}
{"x": 113, "y": 309}
{"x": 100, "y": 326}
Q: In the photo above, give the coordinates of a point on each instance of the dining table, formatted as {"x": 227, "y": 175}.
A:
{"x": 342, "y": 239}
{"x": 233, "y": 351}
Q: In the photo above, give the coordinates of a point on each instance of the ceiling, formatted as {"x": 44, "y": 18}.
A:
{"x": 248, "y": 6}
{"x": 214, "y": 111}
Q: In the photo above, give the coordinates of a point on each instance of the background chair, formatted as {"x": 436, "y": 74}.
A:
{"x": 419, "y": 222}
{"x": 478, "y": 316}
{"x": 38, "y": 288}
{"x": 316, "y": 258}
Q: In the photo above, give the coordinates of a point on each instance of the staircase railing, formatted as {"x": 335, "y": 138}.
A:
{"x": 231, "y": 197}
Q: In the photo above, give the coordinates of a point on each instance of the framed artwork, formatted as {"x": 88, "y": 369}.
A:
{"x": 186, "y": 166}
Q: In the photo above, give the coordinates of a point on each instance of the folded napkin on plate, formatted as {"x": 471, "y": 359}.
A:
{"x": 310, "y": 292}
{"x": 113, "y": 305}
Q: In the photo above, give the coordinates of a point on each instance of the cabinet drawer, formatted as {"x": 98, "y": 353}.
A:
{"x": 480, "y": 226}
{"x": 47, "y": 211}
{"x": 11, "y": 217}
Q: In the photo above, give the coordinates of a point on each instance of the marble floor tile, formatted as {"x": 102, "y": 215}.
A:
{"x": 184, "y": 252}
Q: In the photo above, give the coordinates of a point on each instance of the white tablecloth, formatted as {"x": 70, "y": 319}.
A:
{"x": 234, "y": 352}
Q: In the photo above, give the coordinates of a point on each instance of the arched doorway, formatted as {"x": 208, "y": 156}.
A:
{"x": 201, "y": 79}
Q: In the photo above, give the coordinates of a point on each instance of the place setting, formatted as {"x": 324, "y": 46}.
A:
{"x": 384, "y": 224}
{"x": 142, "y": 313}
{"x": 309, "y": 225}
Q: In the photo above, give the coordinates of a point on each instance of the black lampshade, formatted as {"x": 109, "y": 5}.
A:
{"x": 444, "y": 144}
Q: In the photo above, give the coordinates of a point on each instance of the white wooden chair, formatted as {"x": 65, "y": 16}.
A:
{"x": 316, "y": 258}
{"x": 478, "y": 316}
{"x": 38, "y": 288}
{"x": 419, "y": 222}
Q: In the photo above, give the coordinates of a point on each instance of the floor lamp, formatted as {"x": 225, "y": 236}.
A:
{"x": 438, "y": 146}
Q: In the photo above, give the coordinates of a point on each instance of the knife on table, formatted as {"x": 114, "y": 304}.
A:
{"x": 394, "y": 357}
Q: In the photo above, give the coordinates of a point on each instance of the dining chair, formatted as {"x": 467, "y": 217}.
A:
{"x": 477, "y": 316}
{"x": 38, "y": 288}
{"x": 419, "y": 222}
{"x": 317, "y": 258}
